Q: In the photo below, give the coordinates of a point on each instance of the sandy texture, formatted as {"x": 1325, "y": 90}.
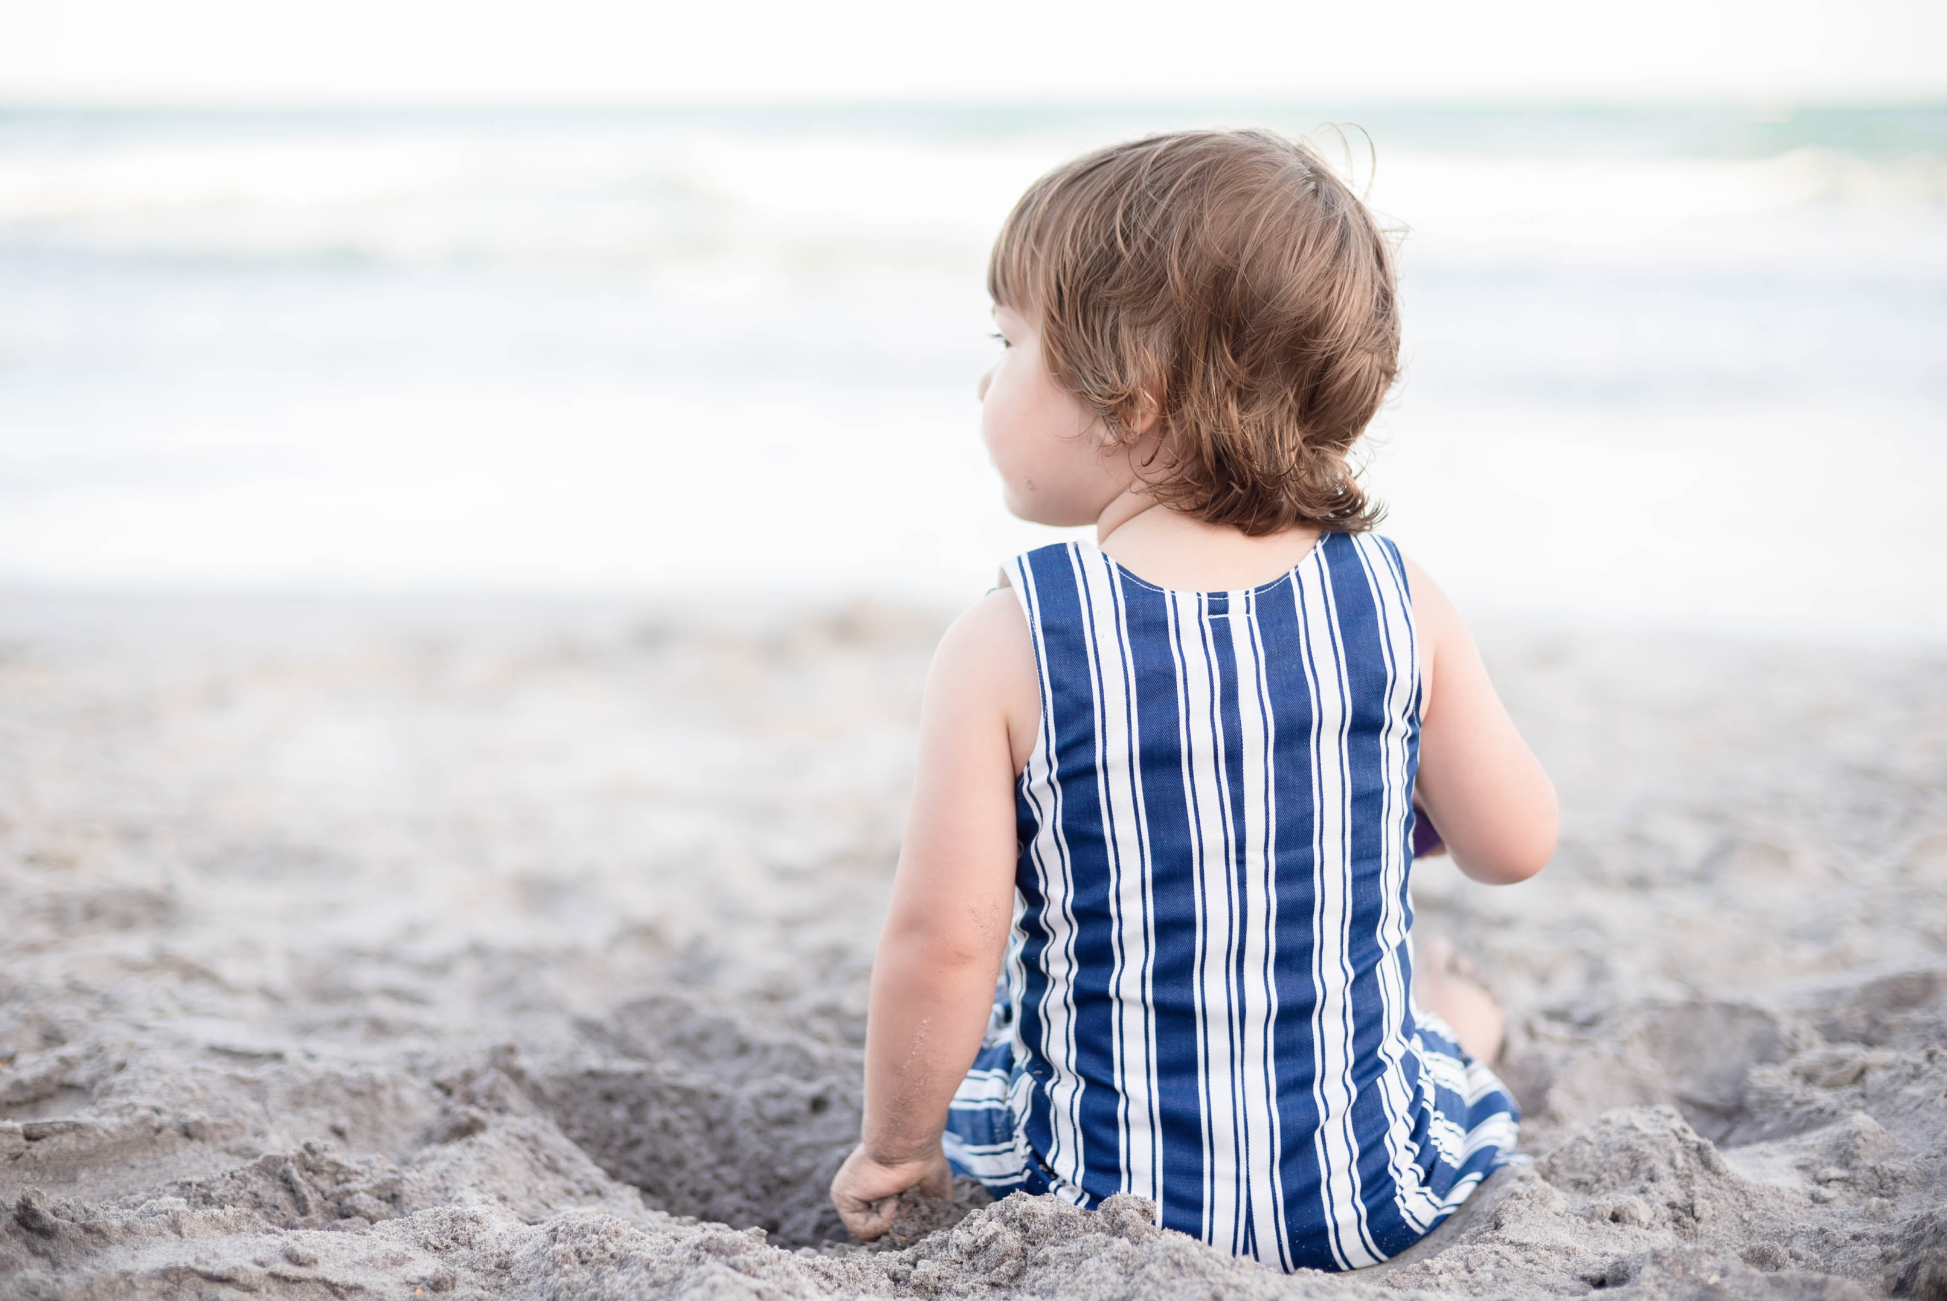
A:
{"x": 518, "y": 950}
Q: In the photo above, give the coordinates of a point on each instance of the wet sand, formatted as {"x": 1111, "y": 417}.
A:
{"x": 517, "y": 949}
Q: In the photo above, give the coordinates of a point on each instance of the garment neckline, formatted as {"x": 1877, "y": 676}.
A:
{"x": 1310, "y": 557}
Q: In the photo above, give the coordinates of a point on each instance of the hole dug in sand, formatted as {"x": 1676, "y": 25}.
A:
{"x": 714, "y": 1115}
{"x": 719, "y": 1116}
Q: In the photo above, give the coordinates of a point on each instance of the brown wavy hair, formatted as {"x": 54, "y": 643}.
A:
{"x": 1230, "y": 282}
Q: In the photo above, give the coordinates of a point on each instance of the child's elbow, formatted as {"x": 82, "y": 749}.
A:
{"x": 1508, "y": 865}
{"x": 1521, "y": 850}
{"x": 1524, "y": 862}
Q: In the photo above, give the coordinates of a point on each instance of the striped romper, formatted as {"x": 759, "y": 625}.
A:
{"x": 1206, "y": 997}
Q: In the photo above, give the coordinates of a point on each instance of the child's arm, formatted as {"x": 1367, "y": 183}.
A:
{"x": 952, "y": 904}
{"x": 1479, "y": 782}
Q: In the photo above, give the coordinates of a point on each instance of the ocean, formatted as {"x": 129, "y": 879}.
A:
{"x": 1666, "y": 365}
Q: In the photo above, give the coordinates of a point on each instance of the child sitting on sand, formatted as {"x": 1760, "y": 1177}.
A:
{"x": 1167, "y": 784}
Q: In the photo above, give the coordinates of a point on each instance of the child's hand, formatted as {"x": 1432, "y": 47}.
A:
{"x": 866, "y": 1192}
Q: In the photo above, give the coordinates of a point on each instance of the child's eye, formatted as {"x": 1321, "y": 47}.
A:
{"x": 1001, "y": 339}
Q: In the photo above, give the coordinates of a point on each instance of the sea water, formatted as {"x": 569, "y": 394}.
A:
{"x": 1672, "y": 364}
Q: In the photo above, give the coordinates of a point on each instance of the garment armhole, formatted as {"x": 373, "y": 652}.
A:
{"x": 1042, "y": 702}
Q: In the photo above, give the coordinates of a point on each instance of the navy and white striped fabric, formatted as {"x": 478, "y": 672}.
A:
{"x": 1206, "y": 999}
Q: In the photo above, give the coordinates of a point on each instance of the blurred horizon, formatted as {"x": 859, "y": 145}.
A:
{"x": 1697, "y": 125}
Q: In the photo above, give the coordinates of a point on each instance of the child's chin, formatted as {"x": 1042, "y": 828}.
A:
{"x": 1039, "y": 512}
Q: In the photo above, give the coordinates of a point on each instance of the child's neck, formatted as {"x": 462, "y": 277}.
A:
{"x": 1179, "y": 551}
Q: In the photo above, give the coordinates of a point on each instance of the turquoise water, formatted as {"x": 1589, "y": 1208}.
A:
{"x": 1690, "y": 130}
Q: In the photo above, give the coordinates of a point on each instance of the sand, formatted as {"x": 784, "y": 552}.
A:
{"x": 517, "y": 950}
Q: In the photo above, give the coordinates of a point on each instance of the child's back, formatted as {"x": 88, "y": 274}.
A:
{"x": 1172, "y": 778}
{"x": 1209, "y": 973}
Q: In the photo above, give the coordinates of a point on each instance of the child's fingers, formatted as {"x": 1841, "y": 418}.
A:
{"x": 868, "y": 1220}
{"x": 866, "y": 1193}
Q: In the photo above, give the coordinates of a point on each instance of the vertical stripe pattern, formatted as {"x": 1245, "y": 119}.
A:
{"x": 1207, "y": 994}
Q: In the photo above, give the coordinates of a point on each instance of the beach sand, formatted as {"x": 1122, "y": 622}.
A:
{"x": 518, "y": 950}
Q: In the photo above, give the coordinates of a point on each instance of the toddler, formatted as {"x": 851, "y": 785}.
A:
{"x": 1168, "y": 784}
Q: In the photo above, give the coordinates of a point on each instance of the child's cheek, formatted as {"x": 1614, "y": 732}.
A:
{"x": 1000, "y": 450}
{"x": 990, "y": 429}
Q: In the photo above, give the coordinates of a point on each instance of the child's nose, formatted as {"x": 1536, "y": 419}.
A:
{"x": 980, "y": 390}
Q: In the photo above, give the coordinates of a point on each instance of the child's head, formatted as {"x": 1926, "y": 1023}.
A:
{"x": 1224, "y": 293}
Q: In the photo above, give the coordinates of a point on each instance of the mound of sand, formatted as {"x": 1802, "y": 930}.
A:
{"x": 507, "y": 950}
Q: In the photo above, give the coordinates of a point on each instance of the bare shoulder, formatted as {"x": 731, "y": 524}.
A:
{"x": 991, "y": 626}
{"x": 1433, "y": 611}
{"x": 986, "y": 662}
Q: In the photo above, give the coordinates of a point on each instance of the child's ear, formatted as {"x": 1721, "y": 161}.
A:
{"x": 1139, "y": 421}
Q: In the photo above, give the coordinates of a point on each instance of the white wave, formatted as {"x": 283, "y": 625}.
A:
{"x": 663, "y": 195}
